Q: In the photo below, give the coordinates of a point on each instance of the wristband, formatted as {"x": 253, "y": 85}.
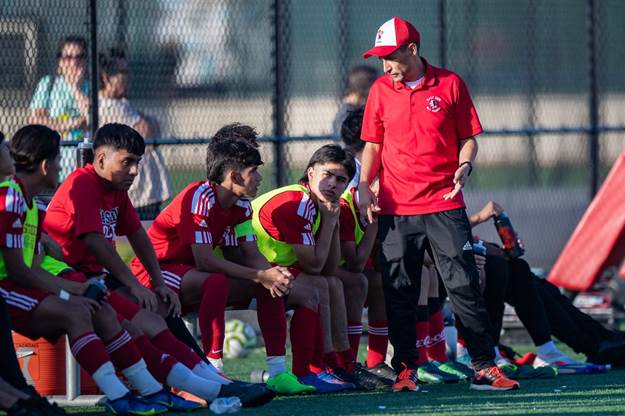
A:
{"x": 64, "y": 294}
{"x": 468, "y": 162}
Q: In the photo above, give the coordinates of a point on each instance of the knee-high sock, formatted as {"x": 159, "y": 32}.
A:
{"x": 180, "y": 331}
{"x": 126, "y": 357}
{"x": 159, "y": 363}
{"x": 272, "y": 322}
{"x": 211, "y": 314}
{"x": 91, "y": 355}
{"x": 423, "y": 334}
{"x": 378, "y": 343}
{"x": 354, "y": 332}
{"x": 167, "y": 342}
{"x": 437, "y": 349}
{"x": 303, "y": 339}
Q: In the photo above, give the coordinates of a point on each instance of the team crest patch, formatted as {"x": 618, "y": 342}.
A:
{"x": 434, "y": 103}
{"x": 378, "y": 37}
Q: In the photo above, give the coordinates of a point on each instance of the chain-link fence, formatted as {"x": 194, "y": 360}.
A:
{"x": 545, "y": 77}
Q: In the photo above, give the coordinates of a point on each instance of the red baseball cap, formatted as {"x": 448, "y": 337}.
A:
{"x": 391, "y": 35}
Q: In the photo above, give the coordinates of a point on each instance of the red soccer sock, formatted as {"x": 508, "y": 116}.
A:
{"x": 303, "y": 340}
{"x": 271, "y": 322}
{"x": 354, "y": 332}
{"x": 331, "y": 360}
{"x": 211, "y": 314}
{"x": 166, "y": 342}
{"x": 423, "y": 329}
{"x": 122, "y": 350}
{"x": 437, "y": 349}
{"x": 319, "y": 363}
{"x": 378, "y": 343}
{"x": 89, "y": 352}
{"x": 347, "y": 359}
{"x": 159, "y": 363}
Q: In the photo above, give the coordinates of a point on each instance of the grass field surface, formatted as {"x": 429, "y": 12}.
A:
{"x": 602, "y": 394}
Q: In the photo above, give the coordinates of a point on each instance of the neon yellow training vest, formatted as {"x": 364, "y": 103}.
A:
{"x": 358, "y": 231}
{"x": 276, "y": 251}
{"x": 54, "y": 266}
{"x": 29, "y": 233}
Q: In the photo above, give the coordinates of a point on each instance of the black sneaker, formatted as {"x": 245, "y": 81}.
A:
{"x": 379, "y": 382}
{"x": 250, "y": 394}
{"x": 610, "y": 351}
{"x": 383, "y": 371}
{"x": 42, "y": 403}
{"x": 359, "y": 382}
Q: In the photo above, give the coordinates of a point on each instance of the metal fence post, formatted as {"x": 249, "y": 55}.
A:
{"x": 593, "y": 99}
{"x": 93, "y": 43}
{"x": 343, "y": 40}
{"x": 280, "y": 71}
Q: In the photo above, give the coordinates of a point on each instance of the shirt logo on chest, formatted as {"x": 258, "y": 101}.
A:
{"x": 109, "y": 222}
{"x": 433, "y": 103}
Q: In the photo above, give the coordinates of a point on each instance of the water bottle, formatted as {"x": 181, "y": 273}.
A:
{"x": 96, "y": 290}
{"x": 225, "y": 405}
{"x": 479, "y": 248}
{"x": 512, "y": 244}
{"x": 259, "y": 376}
{"x": 84, "y": 153}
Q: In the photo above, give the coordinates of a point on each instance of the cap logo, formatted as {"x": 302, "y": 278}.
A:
{"x": 378, "y": 37}
{"x": 433, "y": 103}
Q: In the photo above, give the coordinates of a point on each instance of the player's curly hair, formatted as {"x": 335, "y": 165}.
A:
{"x": 237, "y": 130}
{"x": 233, "y": 154}
{"x": 33, "y": 144}
{"x": 331, "y": 153}
{"x": 120, "y": 137}
{"x": 351, "y": 129}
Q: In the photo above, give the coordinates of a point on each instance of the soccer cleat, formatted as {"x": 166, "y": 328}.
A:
{"x": 430, "y": 374}
{"x": 610, "y": 351}
{"x": 287, "y": 383}
{"x": 133, "y": 405}
{"x": 363, "y": 374}
{"x": 329, "y": 377}
{"x": 49, "y": 408}
{"x": 172, "y": 402}
{"x": 361, "y": 380}
{"x": 28, "y": 407}
{"x": 451, "y": 367}
{"x": 572, "y": 367}
{"x": 493, "y": 378}
{"x": 510, "y": 370}
{"x": 250, "y": 394}
{"x": 321, "y": 386}
{"x": 406, "y": 380}
{"x": 383, "y": 371}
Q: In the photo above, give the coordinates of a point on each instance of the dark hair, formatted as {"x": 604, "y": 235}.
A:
{"x": 78, "y": 40}
{"x": 110, "y": 63}
{"x": 233, "y": 154}
{"x": 359, "y": 80}
{"x": 237, "y": 130}
{"x": 119, "y": 136}
{"x": 33, "y": 144}
{"x": 350, "y": 130}
{"x": 331, "y": 153}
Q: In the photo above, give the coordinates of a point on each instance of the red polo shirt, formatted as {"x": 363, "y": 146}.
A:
{"x": 420, "y": 130}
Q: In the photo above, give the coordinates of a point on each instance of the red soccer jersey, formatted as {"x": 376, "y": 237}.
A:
{"x": 13, "y": 208}
{"x": 289, "y": 217}
{"x": 195, "y": 217}
{"x": 420, "y": 130}
{"x": 85, "y": 203}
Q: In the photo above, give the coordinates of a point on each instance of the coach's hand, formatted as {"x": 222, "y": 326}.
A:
{"x": 367, "y": 203}
{"x": 145, "y": 297}
{"x": 170, "y": 298}
{"x": 460, "y": 178}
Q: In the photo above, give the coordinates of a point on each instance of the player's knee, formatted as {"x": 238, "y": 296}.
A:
{"x": 215, "y": 282}
{"x": 148, "y": 322}
{"x": 335, "y": 285}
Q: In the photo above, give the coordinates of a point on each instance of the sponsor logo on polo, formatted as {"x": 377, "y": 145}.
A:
{"x": 433, "y": 103}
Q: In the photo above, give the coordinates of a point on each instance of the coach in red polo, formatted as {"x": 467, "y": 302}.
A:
{"x": 419, "y": 125}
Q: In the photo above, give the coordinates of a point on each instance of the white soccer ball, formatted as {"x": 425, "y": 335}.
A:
{"x": 239, "y": 338}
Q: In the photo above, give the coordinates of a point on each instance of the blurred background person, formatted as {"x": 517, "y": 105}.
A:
{"x": 152, "y": 185}
{"x": 359, "y": 80}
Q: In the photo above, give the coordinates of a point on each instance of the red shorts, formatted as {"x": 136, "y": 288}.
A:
{"x": 172, "y": 275}
{"x": 21, "y": 303}
{"x": 125, "y": 308}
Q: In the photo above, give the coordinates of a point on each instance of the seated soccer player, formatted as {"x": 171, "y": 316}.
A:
{"x": 507, "y": 280}
{"x": 89, "y": 209}
{"x": 41, "y": 306}
{"x": 297, "y": 227}
{"x": 204, "y": 235}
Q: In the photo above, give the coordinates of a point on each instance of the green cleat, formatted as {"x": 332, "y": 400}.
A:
{"x": 430, "y": 374}
{"x": 451, "y": 367}
{"x": 287, "y": 383}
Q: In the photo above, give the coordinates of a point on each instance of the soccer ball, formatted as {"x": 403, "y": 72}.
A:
{"x": 239, "y": 339}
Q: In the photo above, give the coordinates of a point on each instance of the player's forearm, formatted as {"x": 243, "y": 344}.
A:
{"x": 107, "y": 257}
{"x": 142, "y": 246}
{"x": 43, "y": 275}
{"x": 322, "y": 248}
{"x": 370, "y": 162}
{"x": 334, "y": 255}
{"x": 18, "y": 272}
{"x": 363, "y": 249}
{"x": 214, "y": 264}
{"x": 468, "y": 150}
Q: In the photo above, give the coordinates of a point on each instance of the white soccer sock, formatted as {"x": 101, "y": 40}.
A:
{"x": 141, "y": 379}
{"x": 206, "y": 372}
{"x": 461, "y": 350}
{"x": 276, "y": 365}
{"x": 499, "y": 360}
{"x": 182, "y": 378}
{"x": 550, "y": 353}
{"x": 107, "y": 381}
{"x": 218, "y": 363}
